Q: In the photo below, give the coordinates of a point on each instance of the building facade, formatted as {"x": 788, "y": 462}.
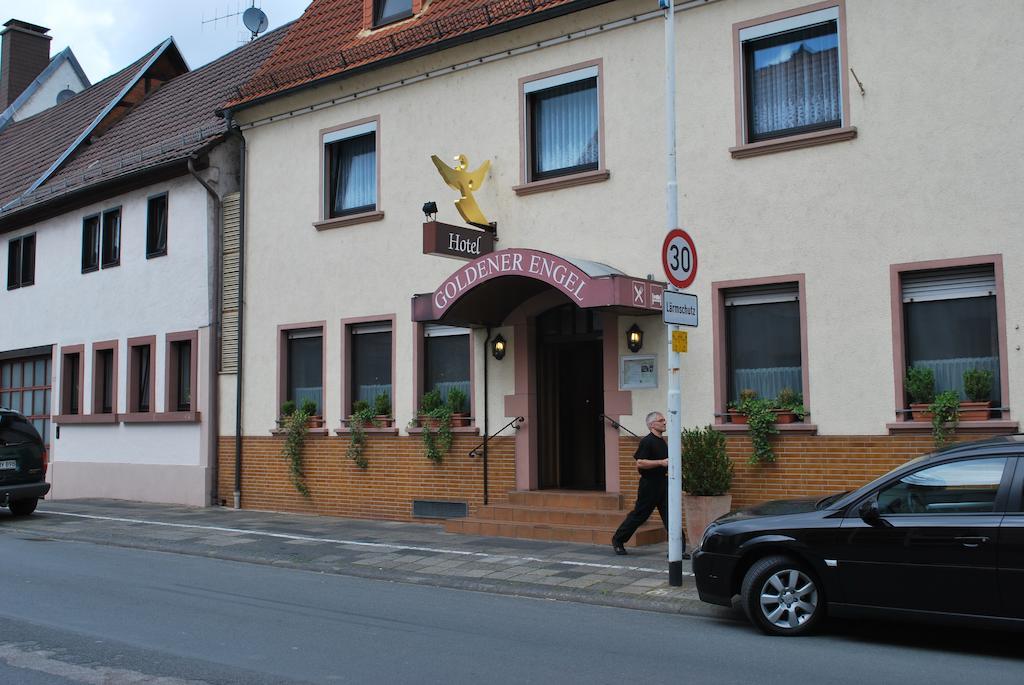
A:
{"x": 852, "y": 219}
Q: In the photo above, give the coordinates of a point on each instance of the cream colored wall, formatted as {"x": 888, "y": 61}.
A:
{"x": 932, "y": 174}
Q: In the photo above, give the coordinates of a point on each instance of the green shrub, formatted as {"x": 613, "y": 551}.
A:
{"x": 978, "y": 385}
{"x": 706, "y": 467}
{"x": 382, "y": 405}
{"x": 360, "y": 407}
{"x": 430, "y": 402}
{"x": 456, "y": 400}
{"x": 309, "y": 407}
{"x": 920, "y": 384}
{"x": 288, "y": 408}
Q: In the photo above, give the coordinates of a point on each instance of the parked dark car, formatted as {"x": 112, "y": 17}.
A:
{"x": 22, "y": 464}
{"x": 940, "y": 538}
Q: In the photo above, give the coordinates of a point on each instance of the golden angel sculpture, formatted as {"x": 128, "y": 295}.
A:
{"x": 466, "y": 182}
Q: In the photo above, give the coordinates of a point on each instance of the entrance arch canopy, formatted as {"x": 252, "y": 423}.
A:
{"x": 485, "y": 290}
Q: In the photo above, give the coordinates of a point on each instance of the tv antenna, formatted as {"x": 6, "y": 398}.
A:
{"x": 254, "y": 19}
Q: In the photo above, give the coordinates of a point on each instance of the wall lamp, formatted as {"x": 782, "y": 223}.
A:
{"x": 634, "y": 338}
{"x": 498, "y": 347}
{"x": 430, "y": 210}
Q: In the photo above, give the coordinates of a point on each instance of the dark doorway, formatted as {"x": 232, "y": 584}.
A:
{"x": 570, "y": 399}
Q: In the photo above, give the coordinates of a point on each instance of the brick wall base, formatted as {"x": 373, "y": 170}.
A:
{"x": 399, "y": 473}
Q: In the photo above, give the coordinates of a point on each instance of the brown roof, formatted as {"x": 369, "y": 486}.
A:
{"x": 173, "y": 123}
{"x": 329, "y": 39}
{"x": 28, "y": 147}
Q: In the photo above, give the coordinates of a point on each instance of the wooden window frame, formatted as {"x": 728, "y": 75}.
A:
{"x": 165, "y": 196}
{"x": 66, "y": 352}
{"x": 16, "y": 279}
{"x": 97, "y": 380}
{"x": 116, "y": 260}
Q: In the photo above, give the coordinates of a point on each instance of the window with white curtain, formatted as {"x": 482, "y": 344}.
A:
{"x": 370, "y": 360}
{"x": 446, "y": 360}
{"x": 792, "y": 75}
{"x": 305, "y": 367}
{"x": 951, "y": 325}
{"x": 350, "y": 176}
{"x": 563, "y": 124}
{"x": 762, "y": 329}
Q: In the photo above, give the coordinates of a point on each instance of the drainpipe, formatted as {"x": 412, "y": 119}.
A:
{"x": 487, "y": 427}
{"x": 241, "y": 300}
{"x": 213, "y": 418}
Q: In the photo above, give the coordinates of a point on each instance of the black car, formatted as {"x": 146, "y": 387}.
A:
{"x": 939, "y": 538}
{"x": 22, "y": 464}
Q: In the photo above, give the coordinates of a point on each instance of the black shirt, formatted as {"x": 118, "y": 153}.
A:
{"x": 654, "y": 448}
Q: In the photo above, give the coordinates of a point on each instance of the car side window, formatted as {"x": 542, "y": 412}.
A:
{"x": 959, "y": 487}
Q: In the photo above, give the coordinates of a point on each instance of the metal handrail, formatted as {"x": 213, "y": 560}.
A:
{"x": 517, "y": 420}
{"x": 616, "y": 424}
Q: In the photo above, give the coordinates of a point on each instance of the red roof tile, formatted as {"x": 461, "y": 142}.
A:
{"x": 28, "y": 147}
{"x": 329, "y": 38}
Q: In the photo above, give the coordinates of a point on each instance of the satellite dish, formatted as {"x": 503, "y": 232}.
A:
{"x": 255, "y": 20}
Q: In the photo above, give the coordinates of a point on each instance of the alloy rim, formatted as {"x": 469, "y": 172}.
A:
{"x": 788, "y": 599}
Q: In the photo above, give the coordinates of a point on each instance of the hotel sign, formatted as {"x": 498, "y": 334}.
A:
{"x": 460, "y": 242}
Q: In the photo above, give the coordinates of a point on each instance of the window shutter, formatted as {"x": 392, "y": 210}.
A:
{"x": 438, "y": 331}
{"x": 949, "y": 284}
{"x": 762, "y": 294}
{"x": 229, "y": 300}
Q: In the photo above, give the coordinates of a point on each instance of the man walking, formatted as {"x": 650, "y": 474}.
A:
{"x": 652, "y": 463}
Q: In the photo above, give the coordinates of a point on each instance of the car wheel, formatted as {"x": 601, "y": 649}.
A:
{"x": 23, "y": 507}
{"x": 781, "y": 597}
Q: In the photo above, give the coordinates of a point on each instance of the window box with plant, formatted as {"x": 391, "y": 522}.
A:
{"x": 457, "y": 404}
{"x": 978, "y": 388}
{"x": 707, "y": 475}
{"x": 435, "y": 418}
{"x": 789, "y": 406}
{"x": 920, "y": 386}
{"x": 382, "y": 411}
{"x": 760, "y": 417}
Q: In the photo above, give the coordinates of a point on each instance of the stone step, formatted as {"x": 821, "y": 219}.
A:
{"x": 566, "y": 499}
{"x": 551, "y": 515}
{"x": 648, "y": 534}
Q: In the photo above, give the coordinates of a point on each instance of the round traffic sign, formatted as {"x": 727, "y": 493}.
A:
{"x": 679, "y": 258}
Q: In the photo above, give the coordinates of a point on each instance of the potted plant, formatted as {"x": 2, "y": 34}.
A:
{"x": 361, "y": 417}
{"x": 736, "y": 414}
{"x": 287, "y": 409}
{"x": 295, "y": 427}
{"x": 457, "y": 406}
{"x": 429, "y": 404}
{"x": 945, "y": 413}
{"x": 308, "y": 407}
{"x": 978, "y": 388}
{"x": 920, "y": 386}
{"x": 382, "y": 410}
{"x": 707, "y": 475}
{"x": 789, "y": 406}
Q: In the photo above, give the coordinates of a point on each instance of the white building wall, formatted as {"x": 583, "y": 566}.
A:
{"x": 64, "y": 78}
{"x": 931, "y": 175}
{"x": 140, "y": 297}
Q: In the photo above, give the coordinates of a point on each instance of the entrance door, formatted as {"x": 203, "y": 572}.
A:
{"x": 570, "y": 399}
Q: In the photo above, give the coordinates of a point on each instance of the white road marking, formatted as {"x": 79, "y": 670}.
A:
{"x": 360, "y": 543}
{"x": 43, "y": 662}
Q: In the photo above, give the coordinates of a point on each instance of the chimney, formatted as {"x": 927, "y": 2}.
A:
{"x": 24, "y": 54}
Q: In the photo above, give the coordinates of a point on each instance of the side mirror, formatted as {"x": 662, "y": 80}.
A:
{"x": 870, "y": 514}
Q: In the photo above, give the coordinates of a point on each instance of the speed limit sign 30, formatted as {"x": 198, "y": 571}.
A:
{"x": 679, "y": 257}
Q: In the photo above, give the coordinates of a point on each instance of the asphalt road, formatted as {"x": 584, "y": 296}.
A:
{"x": 82, "y": 613}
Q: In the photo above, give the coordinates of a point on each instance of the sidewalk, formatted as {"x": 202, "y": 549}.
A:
{"x": 393, "y": 551}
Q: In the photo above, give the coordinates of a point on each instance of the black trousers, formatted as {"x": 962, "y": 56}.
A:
{"x": 650, "y": 494}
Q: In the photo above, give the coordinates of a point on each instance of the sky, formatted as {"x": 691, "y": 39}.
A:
{"x": 108, "y": 35}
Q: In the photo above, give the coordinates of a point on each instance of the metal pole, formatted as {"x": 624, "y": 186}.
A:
{"x": 674, "y": 423}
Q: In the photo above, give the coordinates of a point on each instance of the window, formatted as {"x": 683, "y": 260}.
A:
{"x": 71, "y": 380}
{"x": 950, "y": 324}
{"x": 304, "y": 366}
{"x": 350, "y": 170}
{"x": 156, "y": 226}
{"x": 370, "y": 362}
{"x": 962, "y": 487}
{"x": 562, "y": 124}
{"x": 762, "y": 331}
{"x": 387, "y": 11}
{"x": 141, "y": 368}
{"x": 25, "y": 387}
{"x": 21, "y": 261}
{"x": 181, "y": 370}
{"x": 446, "y": 360}
{"x": 90, "y": 243}
{"x": 792, "y": 75}
{"x": 111, "y": 239}
{"x": 104, "y": 378}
